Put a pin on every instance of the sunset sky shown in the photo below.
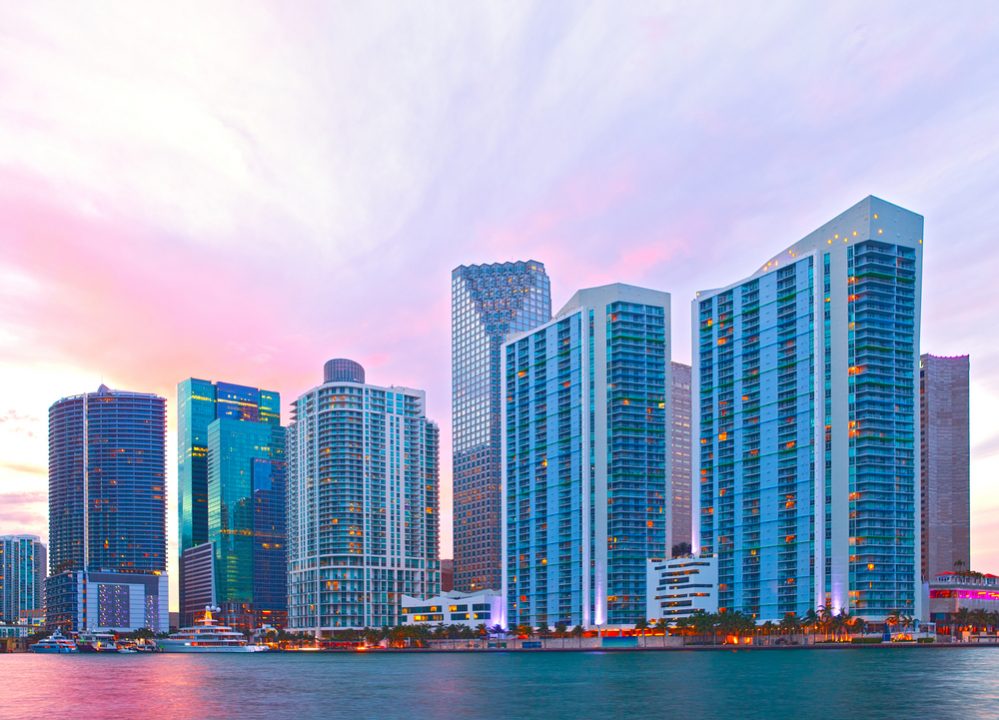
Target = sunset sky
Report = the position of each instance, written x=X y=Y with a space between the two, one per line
x=241 y=191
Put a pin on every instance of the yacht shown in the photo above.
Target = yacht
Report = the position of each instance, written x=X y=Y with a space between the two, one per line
x=207 y=636
x=55 y=643
x=96 y=642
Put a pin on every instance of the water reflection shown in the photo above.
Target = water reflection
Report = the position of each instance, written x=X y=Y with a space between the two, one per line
x=852 y=683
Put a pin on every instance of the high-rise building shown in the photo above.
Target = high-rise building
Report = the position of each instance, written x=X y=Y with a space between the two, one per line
x=806 y=418
x=107 y=511
x=447 y=574
x=680 y=469
x=586 y=459
x=488 y=302
x=363 y=500
x=945 y=444
x=232 y=492
x=22 y=577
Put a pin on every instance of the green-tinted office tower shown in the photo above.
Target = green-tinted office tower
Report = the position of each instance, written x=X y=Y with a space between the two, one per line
x=231 y=480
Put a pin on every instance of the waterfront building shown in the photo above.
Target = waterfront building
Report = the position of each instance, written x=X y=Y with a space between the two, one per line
x=586 y=459
x=681 y=586
x=681 y=472
x=807 y=422
x=22 y=577
x=488 y=302
x=945 y=445
x=107 y=510
x=231 y=477
x=454 y=608
x=363 y=502
x=98 y=601
x=951 y=591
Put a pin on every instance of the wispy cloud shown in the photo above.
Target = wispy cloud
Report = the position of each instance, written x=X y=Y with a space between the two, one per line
x=242 y=192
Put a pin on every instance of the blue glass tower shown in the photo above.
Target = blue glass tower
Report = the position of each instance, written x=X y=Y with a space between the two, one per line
x=232 y=481
x=488 y=302
x=806 y=413
x=586 y=459
x=107 y=499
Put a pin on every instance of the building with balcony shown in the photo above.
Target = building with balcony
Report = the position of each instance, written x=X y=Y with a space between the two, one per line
x=362 y=505
x=586 y=458
x=806 y=402
x=22 y=578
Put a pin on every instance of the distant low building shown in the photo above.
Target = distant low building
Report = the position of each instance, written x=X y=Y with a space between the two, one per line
x=454 y=608
x=8 y=631
x=951 y=591
x=678 y=587
x=22 y=577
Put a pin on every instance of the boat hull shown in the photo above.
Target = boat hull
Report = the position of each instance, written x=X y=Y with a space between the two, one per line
x=181 y=647
x=53 y=650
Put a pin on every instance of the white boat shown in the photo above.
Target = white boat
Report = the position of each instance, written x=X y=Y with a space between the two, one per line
x=207 y=636
x=55 y=643
x=96 y=642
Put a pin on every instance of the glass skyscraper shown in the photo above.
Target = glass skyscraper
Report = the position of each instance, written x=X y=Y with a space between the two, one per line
x=231 y=475
x=488 y=302
x=806 y=416
x=363 y=501
x=586 y=459
x=946 y=464
x=680 y=470
x=107 y=506
x=22 y=576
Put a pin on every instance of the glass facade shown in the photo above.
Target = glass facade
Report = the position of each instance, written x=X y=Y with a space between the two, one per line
x=107 y=494
x=680 y=438
x=362 y=505
x=231 y=474
x=488 y=303
x=22 y=576
x=807 y=425
x=586 y=461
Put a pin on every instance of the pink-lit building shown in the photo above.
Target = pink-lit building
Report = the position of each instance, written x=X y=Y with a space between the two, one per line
x=950 y=591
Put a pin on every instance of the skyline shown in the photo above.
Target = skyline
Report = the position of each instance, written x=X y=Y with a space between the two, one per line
x=174 y=208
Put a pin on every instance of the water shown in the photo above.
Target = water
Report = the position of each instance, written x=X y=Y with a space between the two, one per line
x=813 y=684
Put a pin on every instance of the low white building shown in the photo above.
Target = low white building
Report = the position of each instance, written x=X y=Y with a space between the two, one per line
x=454 y=608
x=676 y=588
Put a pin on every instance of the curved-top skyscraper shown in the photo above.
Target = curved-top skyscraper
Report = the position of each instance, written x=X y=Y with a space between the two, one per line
x=107 y=511
x=488 y=303
x=107 y=482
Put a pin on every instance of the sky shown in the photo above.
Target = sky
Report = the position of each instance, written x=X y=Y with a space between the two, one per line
x=240 y=191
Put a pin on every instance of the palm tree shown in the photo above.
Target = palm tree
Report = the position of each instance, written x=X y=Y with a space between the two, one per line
x=810 y=619
x=577 y=632
x=684 y=626
x=641 y=625
x=858 y=625
x=704 y=623
x=790 y=624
